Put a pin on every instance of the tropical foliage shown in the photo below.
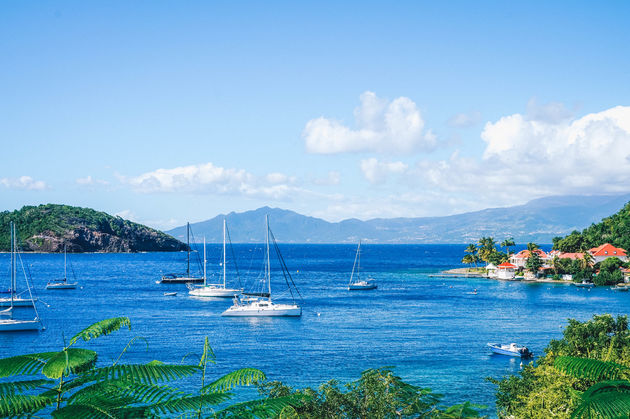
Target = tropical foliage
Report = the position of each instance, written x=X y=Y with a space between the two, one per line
x=70 y=384
x=581 y=374
x=614 y=229
x=486 y=250
x=379 y=393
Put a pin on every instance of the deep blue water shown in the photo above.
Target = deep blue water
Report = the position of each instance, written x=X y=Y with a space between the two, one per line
x=430 y=329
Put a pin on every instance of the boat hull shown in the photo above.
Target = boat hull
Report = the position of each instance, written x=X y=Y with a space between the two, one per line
x=61 y=286
x=181 y=280
x=17 y=302
x=362 y=287
x=11 y=325
x=498 y=349
x=280 y=310
x=214 y=292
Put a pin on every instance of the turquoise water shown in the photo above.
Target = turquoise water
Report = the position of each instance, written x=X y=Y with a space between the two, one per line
x=430 y=329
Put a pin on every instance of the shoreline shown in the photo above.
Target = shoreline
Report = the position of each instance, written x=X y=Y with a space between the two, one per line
x=472 y=273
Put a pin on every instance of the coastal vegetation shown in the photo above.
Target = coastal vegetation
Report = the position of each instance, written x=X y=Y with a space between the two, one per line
x=614 y=230
x=50 y=227
x=485 y=250
x=583 y=375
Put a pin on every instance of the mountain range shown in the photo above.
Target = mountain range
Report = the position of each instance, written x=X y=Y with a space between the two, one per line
x=537 y=221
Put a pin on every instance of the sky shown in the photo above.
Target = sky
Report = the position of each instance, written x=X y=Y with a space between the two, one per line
x=164 y=112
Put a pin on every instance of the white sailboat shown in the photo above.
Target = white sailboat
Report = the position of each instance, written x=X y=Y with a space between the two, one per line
x=185 y=278
x=260 y=304
x=62 y=284
x=214 y=290
x=10 y=324
x=357 y=284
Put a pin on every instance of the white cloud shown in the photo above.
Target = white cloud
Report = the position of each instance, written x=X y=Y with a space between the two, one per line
x=526 y=158
x=465 y=120
x=208 y=178
x=378 y=172
x=23 y=183
x=90 y=181
x=127 y=215
x=381 y=126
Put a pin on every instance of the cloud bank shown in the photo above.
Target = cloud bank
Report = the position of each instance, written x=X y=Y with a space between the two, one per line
x=380 y=126
x=23 y=183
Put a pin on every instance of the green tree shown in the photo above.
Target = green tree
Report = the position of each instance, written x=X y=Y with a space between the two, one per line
x=531 y=247
x=507 y=243
x=486 y=247
x=534 y=262
x=471 y=250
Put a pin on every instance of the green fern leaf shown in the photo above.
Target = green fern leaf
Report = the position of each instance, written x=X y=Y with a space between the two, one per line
x=19 y=404
x=72 y=360
x=139 y=393
x=242 y=377
x=24 y=364
x=142 y=373
x=83 y=411
x=608 y=399
x=102 y=328
x=590 y=369
x=13 y=387
x=178 y=405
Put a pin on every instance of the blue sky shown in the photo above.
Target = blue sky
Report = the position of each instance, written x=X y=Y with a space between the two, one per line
x=165 y=112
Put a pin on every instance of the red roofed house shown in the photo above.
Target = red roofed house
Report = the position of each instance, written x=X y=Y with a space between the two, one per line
x=606 y=251
x=572 y=256
x=520 y=259
x=506 y=270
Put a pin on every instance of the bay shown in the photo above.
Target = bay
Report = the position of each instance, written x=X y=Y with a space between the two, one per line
x=432 y=331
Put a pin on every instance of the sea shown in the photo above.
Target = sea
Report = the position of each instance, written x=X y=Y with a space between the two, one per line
x=432 y=331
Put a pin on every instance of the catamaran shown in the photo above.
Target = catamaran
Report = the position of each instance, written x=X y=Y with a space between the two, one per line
x=10 y=324
x=184 y=278
x=62 y=284
x=357 y=283
x=259 y=304
x=215 y=290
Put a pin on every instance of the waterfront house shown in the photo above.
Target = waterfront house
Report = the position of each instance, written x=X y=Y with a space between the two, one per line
x=491 y=270
x=626 y=274
x=506 y=270
x=606 y=251
x=520 y=259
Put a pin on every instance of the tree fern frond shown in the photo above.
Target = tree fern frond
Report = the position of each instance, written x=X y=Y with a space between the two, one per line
x=142 y=373
x=24 y=364
x=208 y=354
x=591 y=369
x=102 y=328
x=177 y=405
x=71 y=360
x=242 y=377
x=608 y=399
x=20 y=404
x=15 y=386
x=82 y=411
x=138 y=392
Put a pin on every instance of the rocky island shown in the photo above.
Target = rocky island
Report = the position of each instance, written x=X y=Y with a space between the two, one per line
x=47 y=228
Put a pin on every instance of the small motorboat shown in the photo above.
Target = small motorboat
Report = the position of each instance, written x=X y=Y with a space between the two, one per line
x=511 y=350
x=584 y=284
x=170 y=294
x=620 y=288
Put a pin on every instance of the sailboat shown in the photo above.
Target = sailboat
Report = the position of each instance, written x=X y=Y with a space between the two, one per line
x=15 y=300
x=62 y=284
x=10 y=324
x=214 y=290
x=357 y=284
x=259 y=304
x=184 y=278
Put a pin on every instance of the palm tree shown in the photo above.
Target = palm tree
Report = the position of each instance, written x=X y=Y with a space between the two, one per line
x=471 y=251
x=507 y=243
x=587 y=260
x=531 y=247
x=70 y=384
x=487 y=246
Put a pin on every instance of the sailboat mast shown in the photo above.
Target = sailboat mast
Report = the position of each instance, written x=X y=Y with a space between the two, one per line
x=65 y=266
x=268 y=263
x=224 y=253
x=204 y=261
x=12 y=265
x=359 y=262
x=188 y=253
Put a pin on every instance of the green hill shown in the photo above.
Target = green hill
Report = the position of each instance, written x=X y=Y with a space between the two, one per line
x=614 y=229
x=47 y=228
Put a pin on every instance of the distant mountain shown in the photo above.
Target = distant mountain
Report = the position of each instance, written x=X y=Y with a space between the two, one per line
x=47 y=228
x=537 y=221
